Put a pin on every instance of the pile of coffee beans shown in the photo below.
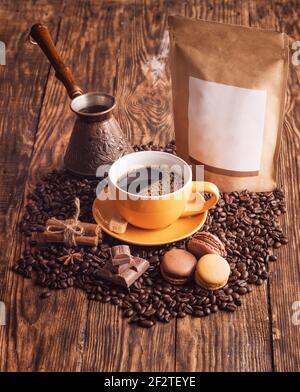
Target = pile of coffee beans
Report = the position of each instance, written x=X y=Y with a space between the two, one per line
x=246 y=222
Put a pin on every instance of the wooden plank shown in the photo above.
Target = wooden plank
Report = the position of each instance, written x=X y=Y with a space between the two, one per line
x=114 y=345
x=50 y=336
x=143 y=113
x=226 y=342
x=21 y=93
x=262 y=14
x=67 y=333
x=144 y=85
x=285 y=282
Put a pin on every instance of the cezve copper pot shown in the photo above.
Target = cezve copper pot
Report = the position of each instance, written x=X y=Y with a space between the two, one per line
x=97 y=138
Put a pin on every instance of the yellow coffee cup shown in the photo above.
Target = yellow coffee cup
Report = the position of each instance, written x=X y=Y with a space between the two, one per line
x=157 y=212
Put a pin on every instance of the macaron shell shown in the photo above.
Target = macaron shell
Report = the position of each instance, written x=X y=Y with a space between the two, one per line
x=213 y=270
x=204 y=242
x=178 y=263
x=200 y=249
x=206 y=286
x=173 y=280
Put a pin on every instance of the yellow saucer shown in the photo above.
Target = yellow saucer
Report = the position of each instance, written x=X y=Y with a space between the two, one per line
x=182 y=228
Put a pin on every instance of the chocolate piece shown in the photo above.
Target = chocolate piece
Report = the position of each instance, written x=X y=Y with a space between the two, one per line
x=204 y=243
x=121 y=260
x=119 y=269
x=127 y=278
x=120 y=254
x=120 y=250
x=138 y=265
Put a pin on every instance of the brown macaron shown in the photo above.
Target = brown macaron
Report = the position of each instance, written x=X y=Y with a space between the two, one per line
x=178 y=266
x=212 y=272
x=204 y=243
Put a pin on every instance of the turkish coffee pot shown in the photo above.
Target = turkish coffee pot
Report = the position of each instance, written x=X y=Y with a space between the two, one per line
x=97 y=138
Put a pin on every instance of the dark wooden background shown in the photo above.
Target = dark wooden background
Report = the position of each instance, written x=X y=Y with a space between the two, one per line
x=121 y=47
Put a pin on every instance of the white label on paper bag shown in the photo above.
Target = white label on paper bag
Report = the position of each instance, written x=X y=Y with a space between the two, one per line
x=226 y=125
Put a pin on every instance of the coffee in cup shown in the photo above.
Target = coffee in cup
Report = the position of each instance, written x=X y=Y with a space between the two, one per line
x=151 y=181
x=148 y=210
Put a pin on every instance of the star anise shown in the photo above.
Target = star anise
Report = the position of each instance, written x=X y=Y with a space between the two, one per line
x=70 y=257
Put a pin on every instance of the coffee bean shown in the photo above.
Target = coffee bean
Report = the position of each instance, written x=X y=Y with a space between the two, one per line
x=272 y=258
x=241 y=283
x=167 y=298
x=115 y=301
x=45 y=295
x=252 y=278
x=198 y=313
x=146 y=323
x=160 y=312
x=154 y=260
x=238 y=302
x=128 y=313
x=230 y=307
x=135 y=318
x=188 y=309
x=98 y=297
x=247 y=223
x=148 y=282
x=149 y=312
x=242 y=290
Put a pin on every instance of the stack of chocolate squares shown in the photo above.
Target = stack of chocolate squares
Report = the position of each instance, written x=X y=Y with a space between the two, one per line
x=122 y=268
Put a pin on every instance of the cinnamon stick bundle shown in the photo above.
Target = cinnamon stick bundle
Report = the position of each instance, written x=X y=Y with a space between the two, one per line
x=89 y=237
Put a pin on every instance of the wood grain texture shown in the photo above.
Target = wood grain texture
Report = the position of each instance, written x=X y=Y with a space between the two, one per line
x=285 y=278
x=88 y=42
x=121 y=47
x=57 y=335
x=116 y=345
x=22 y=92
x=144 y=85
x=226 y=342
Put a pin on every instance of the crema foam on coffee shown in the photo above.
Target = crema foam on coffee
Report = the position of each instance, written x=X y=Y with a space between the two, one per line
x=151 y=181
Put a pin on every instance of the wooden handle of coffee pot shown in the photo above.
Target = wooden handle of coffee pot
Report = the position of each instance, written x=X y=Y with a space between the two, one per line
x=42 y=37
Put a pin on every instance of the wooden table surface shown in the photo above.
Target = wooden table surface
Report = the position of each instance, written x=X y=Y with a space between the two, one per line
x=121 y=47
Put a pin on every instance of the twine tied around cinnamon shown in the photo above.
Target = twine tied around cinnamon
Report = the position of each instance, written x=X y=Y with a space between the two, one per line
x=70 y=228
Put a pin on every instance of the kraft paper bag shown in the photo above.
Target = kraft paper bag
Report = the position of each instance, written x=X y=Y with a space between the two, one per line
x=229 y=85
